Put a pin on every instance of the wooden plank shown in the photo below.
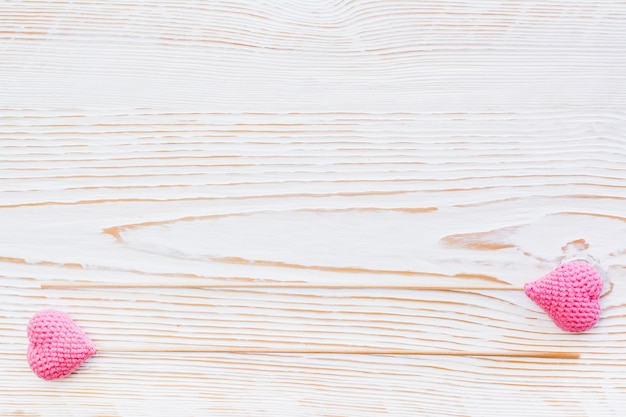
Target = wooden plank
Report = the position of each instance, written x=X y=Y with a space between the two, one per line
x=362 y=144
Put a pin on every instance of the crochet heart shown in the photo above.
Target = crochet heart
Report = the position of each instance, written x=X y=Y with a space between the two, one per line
x=57 y=345
x=570 y=295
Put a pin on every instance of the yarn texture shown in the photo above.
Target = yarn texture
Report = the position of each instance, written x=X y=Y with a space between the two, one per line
x=570 y=295
x=57 y=345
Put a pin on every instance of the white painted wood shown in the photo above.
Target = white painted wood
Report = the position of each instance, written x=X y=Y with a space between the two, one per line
x=356 y=142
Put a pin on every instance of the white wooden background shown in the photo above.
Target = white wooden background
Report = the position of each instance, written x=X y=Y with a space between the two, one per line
x=327 y=141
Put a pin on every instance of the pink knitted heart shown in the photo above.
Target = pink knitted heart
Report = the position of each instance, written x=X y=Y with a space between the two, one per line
x=57 y=345
x=570 y=294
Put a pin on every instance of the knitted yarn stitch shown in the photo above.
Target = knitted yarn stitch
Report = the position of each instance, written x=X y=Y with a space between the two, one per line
x=569 y=295
x=57 y=345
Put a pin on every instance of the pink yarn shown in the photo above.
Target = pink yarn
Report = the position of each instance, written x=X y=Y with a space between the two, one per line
x=57 y=345
x=570 y=295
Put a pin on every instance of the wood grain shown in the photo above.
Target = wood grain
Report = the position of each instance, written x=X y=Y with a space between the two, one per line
x=360 y=144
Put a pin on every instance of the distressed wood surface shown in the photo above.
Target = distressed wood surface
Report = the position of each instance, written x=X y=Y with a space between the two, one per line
x=326 y=142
